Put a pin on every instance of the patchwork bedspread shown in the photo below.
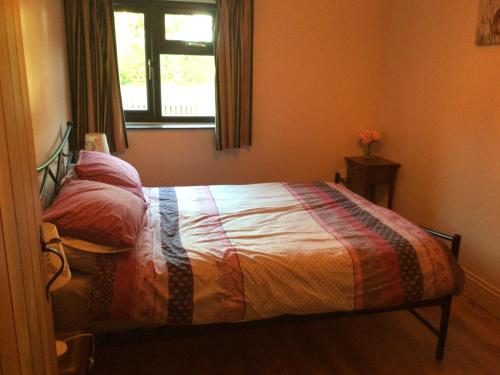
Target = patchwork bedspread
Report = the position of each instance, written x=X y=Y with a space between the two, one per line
x=247 y=252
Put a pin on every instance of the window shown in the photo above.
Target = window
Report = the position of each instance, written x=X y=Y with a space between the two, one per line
x=166 y=61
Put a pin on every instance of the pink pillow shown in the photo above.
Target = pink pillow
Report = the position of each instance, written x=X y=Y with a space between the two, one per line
x=97 y=212
x=108 y=169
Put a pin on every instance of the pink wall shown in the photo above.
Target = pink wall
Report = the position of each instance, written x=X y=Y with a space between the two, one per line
x=46 y=67
x=441 y=120
x=317 y=82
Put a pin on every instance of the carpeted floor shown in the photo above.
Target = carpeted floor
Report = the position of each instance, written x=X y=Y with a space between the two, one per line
x=391 y=343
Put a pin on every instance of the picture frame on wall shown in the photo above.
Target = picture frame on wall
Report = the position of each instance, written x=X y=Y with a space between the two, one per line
x=488 y=25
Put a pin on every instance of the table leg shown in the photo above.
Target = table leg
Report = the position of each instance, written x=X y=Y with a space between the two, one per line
x=372 y=193
x=390 y=196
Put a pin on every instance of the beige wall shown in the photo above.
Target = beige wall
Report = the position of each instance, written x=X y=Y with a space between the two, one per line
x=323 y=70
x=441 y=120
x=46 y=67
x=317 y=82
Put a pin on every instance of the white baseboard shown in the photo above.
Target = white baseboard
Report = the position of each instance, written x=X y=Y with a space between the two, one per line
x=482 y=292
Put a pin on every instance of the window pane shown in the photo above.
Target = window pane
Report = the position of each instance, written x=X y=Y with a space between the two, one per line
x=187 y=85
x=190 y=28
x=131 y=52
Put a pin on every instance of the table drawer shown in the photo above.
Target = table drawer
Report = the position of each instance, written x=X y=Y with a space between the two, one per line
x=355 y=173
x=380 y=175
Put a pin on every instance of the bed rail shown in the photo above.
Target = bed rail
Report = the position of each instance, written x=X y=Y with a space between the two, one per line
x=56 y=160
x=455 y=239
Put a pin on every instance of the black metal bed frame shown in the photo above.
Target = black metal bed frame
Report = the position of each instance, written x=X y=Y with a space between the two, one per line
x=61 y=168
x=444 y=302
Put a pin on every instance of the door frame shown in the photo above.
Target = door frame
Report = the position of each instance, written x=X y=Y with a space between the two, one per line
x=27 y=340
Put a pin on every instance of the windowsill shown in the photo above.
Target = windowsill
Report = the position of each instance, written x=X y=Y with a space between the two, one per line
x=167 y=126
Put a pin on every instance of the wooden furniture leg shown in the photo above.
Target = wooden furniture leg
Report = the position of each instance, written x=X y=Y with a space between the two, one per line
x=391 y=195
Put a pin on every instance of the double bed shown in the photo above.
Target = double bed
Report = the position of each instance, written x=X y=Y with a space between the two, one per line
x=228 y=254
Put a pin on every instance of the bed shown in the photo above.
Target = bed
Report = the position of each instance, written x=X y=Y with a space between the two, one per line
x=226 y=255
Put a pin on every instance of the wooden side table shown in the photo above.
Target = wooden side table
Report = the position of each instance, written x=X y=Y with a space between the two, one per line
x=364 y=174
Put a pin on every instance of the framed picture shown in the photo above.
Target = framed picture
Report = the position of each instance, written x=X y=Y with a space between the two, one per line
x=488 y=25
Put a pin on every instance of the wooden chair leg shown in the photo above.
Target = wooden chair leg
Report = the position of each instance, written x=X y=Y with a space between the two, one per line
x=443 y=328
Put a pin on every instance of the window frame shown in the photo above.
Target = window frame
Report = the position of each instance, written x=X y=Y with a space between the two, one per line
x=155 y=45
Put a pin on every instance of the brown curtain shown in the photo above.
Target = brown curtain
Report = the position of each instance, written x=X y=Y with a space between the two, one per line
x=93 y=71
x=233 y=59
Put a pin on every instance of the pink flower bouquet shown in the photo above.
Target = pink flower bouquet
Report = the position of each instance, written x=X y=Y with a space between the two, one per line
x=367 y=140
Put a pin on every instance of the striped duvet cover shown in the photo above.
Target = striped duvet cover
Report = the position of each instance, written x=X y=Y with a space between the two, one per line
x=247 y=252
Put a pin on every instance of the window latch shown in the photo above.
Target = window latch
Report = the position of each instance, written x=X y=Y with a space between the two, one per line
x=150 y=70
x=194 y=44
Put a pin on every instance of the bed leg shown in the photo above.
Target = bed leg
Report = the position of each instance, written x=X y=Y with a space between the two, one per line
x=443 y=328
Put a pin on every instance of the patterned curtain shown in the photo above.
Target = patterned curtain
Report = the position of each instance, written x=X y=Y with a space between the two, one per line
x=93 y=70
x=233 y=60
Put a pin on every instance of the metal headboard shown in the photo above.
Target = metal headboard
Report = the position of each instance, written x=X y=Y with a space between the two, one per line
x=56 y=160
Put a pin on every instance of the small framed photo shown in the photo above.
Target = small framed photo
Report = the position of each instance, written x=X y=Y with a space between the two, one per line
x=488 y=25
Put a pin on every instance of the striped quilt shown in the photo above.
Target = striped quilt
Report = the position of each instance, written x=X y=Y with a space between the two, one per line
x=248 y=252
